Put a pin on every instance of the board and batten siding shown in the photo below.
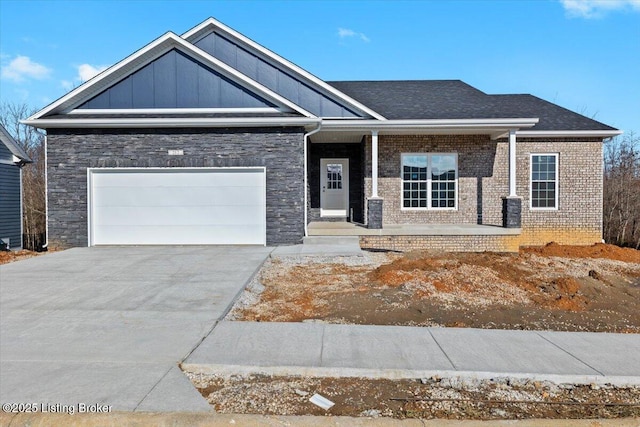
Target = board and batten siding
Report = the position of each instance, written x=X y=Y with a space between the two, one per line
x=276 y=79
x=10 y=214
x=175 y=81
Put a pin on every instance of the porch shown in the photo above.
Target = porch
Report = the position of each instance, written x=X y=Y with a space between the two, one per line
x=325 y=228
x=441 y=237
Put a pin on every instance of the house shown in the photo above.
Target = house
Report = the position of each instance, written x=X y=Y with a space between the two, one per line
x=211 y=138
x=12 y=158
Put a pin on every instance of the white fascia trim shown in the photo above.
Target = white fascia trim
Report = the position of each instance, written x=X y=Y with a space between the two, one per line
x=390 y=125
x=173 y=110
x=170 y=122
x=147 y=54
x=568 y=133
x=197 y=31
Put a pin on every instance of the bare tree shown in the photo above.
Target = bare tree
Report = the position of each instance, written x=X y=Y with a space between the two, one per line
x=33 y=174
x=622 y=191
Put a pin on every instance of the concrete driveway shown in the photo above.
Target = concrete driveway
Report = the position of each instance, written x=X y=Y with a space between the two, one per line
x=108 y=325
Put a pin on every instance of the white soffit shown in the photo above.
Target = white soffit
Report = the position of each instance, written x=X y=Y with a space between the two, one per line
x=212 y=24
x=568 y=133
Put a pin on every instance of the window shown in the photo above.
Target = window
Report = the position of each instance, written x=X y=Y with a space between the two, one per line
x=334 y=176
x=544 y=181
x=429 y=181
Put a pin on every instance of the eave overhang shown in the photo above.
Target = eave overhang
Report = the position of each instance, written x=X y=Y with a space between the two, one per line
x=568 y=133
x=494 y=127
x=192 y=122
x=19 y=156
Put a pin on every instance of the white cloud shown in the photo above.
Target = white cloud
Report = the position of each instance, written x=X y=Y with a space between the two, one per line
x=597 y=8
x=346 y=32
x=67 y=84
x=22 y=68
x=87 y=71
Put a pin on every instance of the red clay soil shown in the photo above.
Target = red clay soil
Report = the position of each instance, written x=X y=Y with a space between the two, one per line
x=589 y=288
x=599 y=250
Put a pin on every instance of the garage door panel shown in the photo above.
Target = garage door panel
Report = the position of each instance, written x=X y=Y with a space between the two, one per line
x=178 y=206
x=182 y=196
x=176 y=235
x=121 y=178
x=176 y=215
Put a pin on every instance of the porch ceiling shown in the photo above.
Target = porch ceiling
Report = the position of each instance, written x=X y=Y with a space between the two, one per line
x=349 y=131
x=355 y=136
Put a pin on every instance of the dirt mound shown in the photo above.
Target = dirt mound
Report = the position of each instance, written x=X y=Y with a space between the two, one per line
x=480 y=279
x=527 y=290
x=599 y=250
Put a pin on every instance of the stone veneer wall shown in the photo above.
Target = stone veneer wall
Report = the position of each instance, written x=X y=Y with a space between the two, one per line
x=71 y=151
x=483 y=169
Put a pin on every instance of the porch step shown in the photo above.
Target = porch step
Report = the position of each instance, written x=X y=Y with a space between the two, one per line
x=322 y=246
x=332 y=240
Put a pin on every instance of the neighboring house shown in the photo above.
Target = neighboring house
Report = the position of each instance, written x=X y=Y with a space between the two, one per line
x=12 y=158
x=210 y=138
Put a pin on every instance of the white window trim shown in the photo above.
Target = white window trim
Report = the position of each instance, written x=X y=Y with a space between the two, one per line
x=429 y=181
x=557 y=156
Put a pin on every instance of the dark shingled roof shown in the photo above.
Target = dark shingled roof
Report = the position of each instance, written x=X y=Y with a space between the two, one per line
x=454 y=99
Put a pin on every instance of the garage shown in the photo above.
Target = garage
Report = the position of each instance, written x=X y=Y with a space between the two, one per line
x=177 y=206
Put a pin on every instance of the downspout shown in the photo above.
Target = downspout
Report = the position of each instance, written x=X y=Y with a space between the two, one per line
x=306 y=167
x=20 y=165
x=46 y=196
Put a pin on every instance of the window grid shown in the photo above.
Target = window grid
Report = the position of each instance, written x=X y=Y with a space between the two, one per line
x=544 y=181
x=334 y=176
x=419 y=173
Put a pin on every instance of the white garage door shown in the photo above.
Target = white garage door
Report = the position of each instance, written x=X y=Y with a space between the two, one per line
x=175 y=206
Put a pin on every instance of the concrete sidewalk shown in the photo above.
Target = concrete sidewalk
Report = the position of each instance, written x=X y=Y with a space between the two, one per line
x=415 y=352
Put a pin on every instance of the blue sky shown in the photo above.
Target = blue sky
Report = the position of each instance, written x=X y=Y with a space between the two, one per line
x=581 y=54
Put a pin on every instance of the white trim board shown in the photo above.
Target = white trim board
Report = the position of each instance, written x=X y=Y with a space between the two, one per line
x=154 y=122
x=173 y=111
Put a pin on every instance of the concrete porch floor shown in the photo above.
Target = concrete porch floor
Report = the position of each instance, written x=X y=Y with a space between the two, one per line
x=321 y=228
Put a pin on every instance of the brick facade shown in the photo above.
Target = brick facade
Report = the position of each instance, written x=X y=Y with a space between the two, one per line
x=483 y=169
x=442 y=243
x=70 y=152
x=482 y=181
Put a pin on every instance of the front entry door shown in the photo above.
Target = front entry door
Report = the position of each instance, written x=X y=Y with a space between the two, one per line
x=334 y=187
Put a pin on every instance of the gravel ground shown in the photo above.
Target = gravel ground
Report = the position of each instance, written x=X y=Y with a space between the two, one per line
x=443 y=398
